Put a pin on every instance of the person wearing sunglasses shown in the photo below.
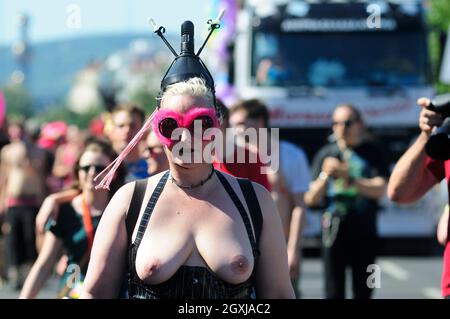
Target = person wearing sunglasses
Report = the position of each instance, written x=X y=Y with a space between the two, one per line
x=349 y=177
x=75 y=225
x=122 y=124
x=194 y=233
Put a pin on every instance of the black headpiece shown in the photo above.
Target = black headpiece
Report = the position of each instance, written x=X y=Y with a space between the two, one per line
x=187 y=64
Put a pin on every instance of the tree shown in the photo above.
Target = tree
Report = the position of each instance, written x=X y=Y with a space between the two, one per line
x=439 y=14
x=439 y=20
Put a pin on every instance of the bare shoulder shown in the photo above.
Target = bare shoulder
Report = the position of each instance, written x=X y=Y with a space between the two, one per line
x=121 y=199
x=262 y=193
x=9 y=149
x=13 y=153
x=124 y=195
x=6 y=148
x=265 y=200
x=154 y=179
x=230 y=178
x=233 y=180
x=4 y=152
x=127 y=190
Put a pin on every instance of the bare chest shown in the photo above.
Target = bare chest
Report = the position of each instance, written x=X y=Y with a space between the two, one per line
x=195 y=233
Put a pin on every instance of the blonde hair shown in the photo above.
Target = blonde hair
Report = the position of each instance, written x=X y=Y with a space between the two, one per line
x=195 y=87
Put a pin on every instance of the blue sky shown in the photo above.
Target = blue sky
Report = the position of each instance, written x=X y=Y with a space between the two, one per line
x=56 y=19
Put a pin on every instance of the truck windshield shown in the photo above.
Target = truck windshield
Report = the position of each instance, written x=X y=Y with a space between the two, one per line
x=339 y=59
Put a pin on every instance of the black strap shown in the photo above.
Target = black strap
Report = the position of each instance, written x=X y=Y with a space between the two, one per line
x=242 y=211
x=135 y=206
x=253 y=206
x=149 y=209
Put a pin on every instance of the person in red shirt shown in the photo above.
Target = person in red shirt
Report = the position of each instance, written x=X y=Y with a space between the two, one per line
x=247 y=169
x=416 y=173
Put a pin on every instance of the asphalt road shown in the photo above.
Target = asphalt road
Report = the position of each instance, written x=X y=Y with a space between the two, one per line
x=399 y=278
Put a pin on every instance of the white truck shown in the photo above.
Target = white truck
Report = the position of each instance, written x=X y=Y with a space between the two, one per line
x=304 y=57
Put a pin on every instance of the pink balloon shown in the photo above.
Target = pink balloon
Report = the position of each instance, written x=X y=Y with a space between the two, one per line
x=2 y=108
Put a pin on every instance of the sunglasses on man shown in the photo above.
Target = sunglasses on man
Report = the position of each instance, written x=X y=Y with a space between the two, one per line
x=346 y=124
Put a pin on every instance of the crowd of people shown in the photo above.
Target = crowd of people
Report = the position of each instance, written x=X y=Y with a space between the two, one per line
x=132 y=212
x=51 y=208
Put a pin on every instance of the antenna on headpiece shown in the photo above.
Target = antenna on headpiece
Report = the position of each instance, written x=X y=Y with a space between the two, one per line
x=160 y=30
x=187 y=64
x=214 y=24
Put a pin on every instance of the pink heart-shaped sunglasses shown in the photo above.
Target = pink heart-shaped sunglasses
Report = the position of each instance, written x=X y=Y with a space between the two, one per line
x=166 y=121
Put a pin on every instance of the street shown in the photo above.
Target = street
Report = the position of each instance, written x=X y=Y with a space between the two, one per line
x=400 y=278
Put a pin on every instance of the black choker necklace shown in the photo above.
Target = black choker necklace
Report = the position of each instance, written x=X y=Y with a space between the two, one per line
x=195 y=185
